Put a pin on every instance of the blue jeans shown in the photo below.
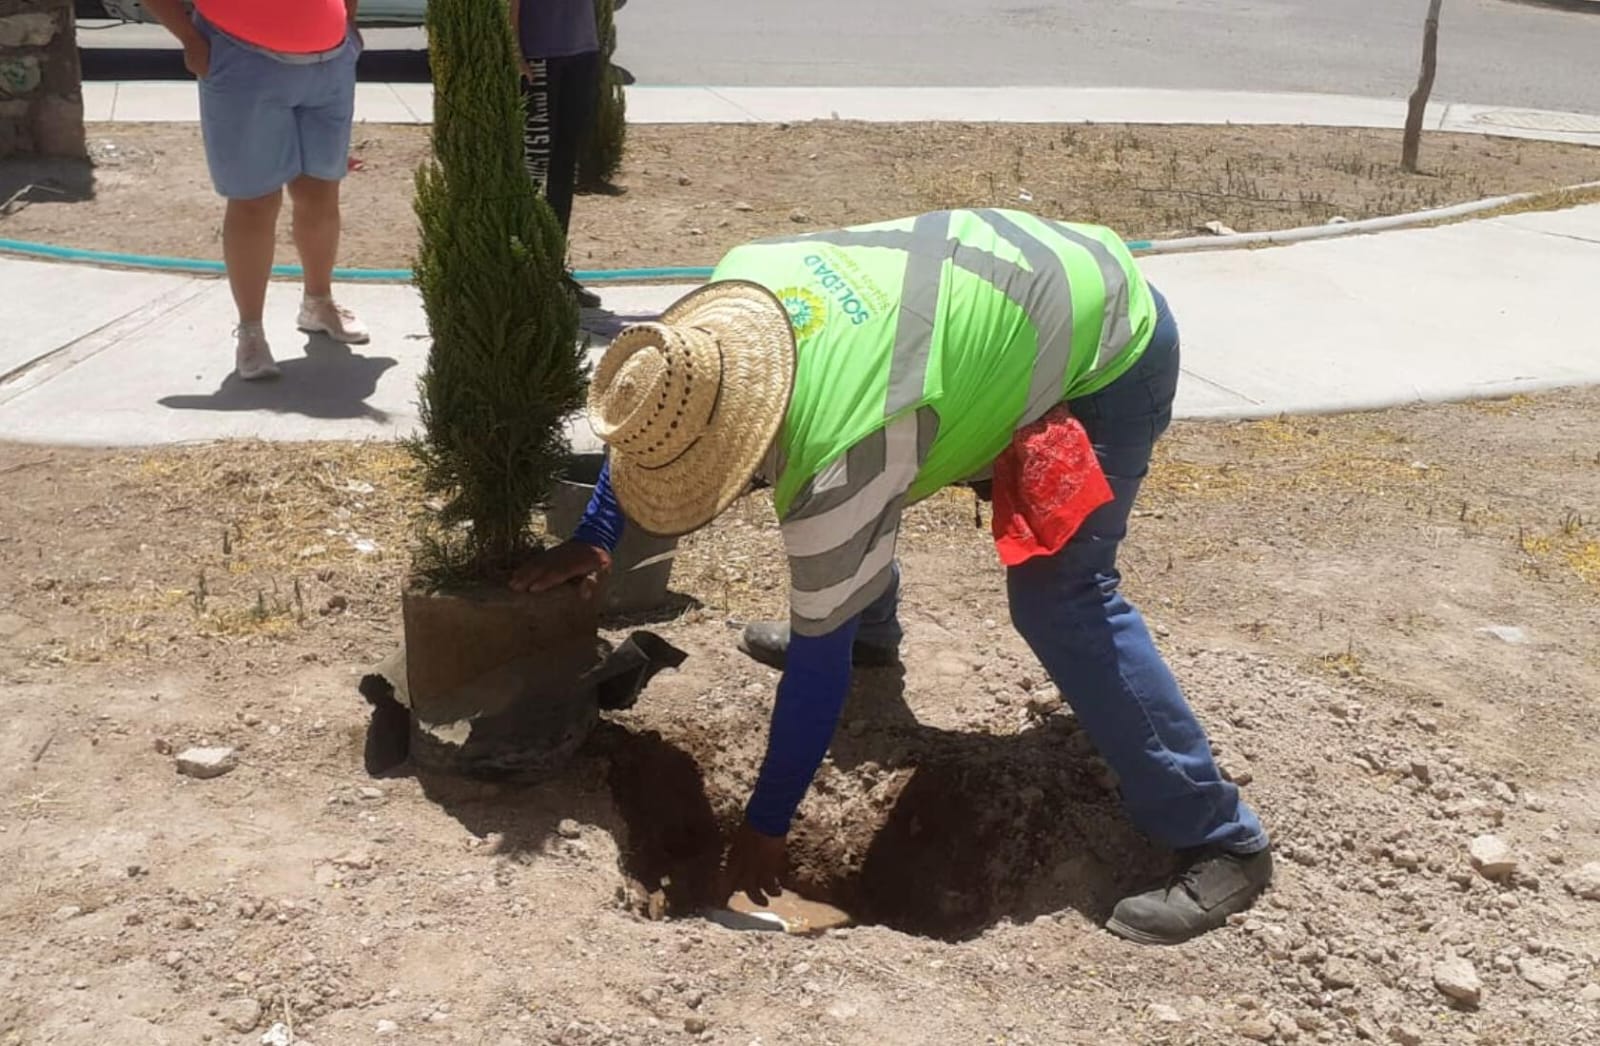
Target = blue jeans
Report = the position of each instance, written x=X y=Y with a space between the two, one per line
x=1070 y=609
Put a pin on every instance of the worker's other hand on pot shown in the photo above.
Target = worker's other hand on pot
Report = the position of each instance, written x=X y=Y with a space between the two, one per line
x=756 y=863
x=566 y=562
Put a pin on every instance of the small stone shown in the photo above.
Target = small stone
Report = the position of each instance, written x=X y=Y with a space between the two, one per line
x=1044 y=704
x=799 y=217
x=1585 y=882
x=695 y=1025
x=387 y=1028
x=370 y=793
x=1590 y=995
x=181 y=921
x=743 y=207
x=843 y=1011
x=206 y=763
x=68 y=911
x=569 y=829
x=173 y=958
x=1405 y=1035
x=1506 y=634
x=1422 y=772
x=1258 y=1029
x=1456 y=979
x=1544 y=975
x=354 y=859
x=1338 y=973
x=1503 y=792
x=335 y=604
x=684 y=179
x=1165 y=1014
x=1492 y=857
x=79 y=984
x=241 y=1014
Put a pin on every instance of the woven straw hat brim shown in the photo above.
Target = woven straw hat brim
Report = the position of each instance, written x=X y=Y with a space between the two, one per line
x=758 y=360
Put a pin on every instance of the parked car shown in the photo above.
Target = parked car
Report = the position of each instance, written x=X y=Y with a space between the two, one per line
x=372 y=13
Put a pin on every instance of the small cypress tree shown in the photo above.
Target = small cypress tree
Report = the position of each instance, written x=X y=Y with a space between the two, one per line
x=505 y=369
x=601 y=156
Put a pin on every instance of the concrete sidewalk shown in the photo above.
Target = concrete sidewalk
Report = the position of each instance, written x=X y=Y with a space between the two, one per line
x=98 y=357
x=413 y=103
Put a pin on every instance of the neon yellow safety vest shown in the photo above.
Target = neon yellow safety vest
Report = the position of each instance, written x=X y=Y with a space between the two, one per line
x=988 y=317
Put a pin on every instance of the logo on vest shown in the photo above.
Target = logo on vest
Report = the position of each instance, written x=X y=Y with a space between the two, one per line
x=807 y=310
x=839 y=286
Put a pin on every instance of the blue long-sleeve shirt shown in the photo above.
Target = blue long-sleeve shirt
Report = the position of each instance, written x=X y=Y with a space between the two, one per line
x=811 y=693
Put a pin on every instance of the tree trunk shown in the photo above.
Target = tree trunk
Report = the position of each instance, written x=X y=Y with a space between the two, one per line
x=1419 y=97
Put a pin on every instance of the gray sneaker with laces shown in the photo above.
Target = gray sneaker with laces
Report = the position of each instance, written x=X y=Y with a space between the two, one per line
x=252 y=356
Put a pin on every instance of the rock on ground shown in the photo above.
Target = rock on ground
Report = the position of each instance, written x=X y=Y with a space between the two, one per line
x=1165 y=1014
x=1339 y=973
x=1585 y=882
x=1492 y=857
x=1542 y=974
x=207 y=762
x=1456 y=978
x=1405 y=1035
x=241 y=1014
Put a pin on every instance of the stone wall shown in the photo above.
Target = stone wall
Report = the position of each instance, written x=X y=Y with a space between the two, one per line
x=41 y=89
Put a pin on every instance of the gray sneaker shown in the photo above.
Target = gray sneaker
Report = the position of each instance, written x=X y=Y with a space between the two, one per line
x=1210 y=886
x=252 y=357
x=768 y=643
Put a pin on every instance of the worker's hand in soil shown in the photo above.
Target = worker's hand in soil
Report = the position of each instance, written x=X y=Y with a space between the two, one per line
x=755 y=865
x=565 y=562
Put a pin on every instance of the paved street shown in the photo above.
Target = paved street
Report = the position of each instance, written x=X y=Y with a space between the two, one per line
x=1491 y=51
x=1502 y=52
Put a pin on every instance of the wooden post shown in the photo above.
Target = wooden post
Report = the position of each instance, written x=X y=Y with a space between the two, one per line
x=1419 y=97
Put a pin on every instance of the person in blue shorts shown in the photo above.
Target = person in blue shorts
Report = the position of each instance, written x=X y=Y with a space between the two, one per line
x=277 y=98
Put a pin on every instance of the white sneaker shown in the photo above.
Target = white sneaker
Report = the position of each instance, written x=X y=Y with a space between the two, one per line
x=252 y=356
x=326 y=316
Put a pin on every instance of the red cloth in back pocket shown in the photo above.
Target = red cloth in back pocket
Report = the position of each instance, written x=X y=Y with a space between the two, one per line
x=1045 y=485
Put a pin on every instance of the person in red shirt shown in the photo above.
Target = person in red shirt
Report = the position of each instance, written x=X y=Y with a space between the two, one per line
x=277 y=99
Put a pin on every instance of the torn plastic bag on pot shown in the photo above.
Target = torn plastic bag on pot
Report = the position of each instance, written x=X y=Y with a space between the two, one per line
x=526 y=738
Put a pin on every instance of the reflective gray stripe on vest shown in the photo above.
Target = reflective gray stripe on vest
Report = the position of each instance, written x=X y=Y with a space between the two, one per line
x=1116 y=332
x=838 y=564
x=1049 y=306
x=919 y=305
x=841 y=542
x=861 y=462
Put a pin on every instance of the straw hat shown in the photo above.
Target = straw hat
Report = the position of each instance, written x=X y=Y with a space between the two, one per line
x=690 y=404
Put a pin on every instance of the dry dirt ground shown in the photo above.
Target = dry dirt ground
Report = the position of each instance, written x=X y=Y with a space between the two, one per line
x=693 y=192
x=1321 y=585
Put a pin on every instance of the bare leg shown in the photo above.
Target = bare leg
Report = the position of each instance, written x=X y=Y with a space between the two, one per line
x=316 y=231
x=249 y=233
